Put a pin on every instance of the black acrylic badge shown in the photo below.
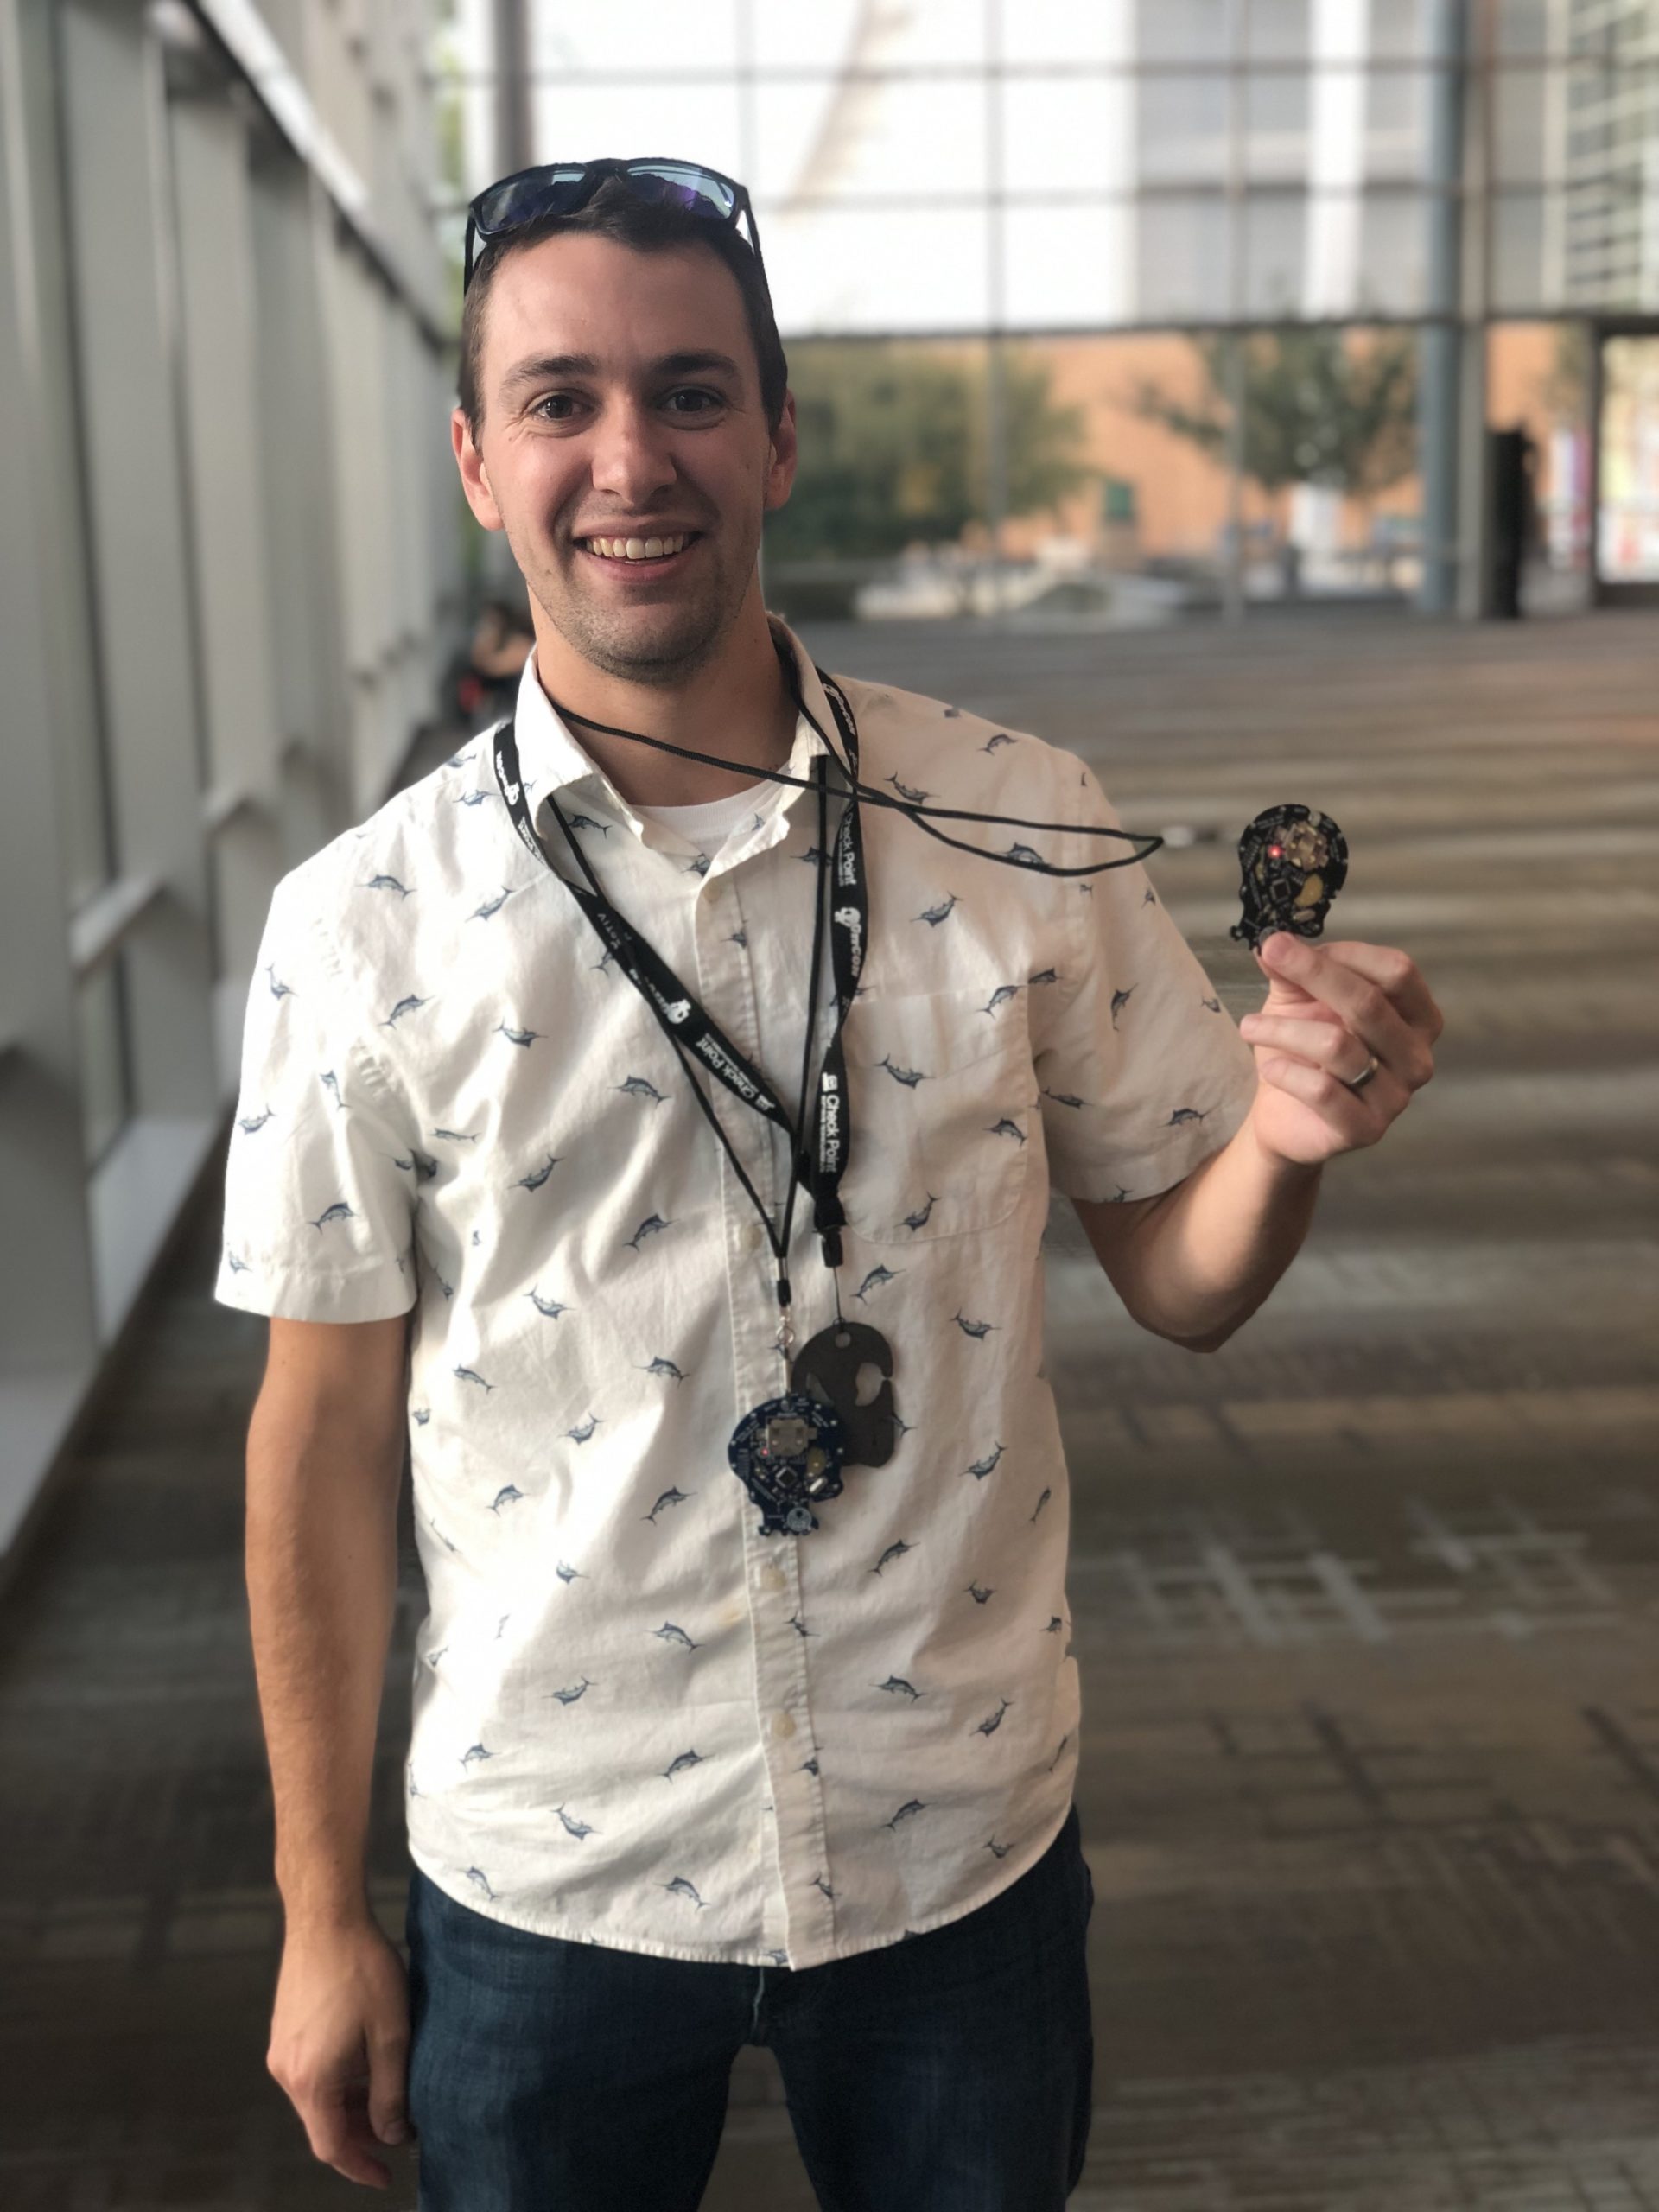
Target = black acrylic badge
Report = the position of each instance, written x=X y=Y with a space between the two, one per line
x=786 y=1452
x=827 y=1367
x=1292 y=863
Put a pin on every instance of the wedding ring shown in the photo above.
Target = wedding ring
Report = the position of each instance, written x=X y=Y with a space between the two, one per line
x=1360 y=1081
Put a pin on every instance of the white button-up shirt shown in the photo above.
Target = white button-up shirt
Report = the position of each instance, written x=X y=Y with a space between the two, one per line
x=637 y=1720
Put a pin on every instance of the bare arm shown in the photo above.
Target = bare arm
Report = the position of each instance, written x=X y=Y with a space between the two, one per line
x=325 y=1453
x=1193 y=1264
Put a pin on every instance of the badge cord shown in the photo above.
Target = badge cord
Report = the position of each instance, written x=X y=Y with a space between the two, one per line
x=799 y=1162
x=796 y=1132
x=777 y=1239
x=621 y=939
x=781 y=1488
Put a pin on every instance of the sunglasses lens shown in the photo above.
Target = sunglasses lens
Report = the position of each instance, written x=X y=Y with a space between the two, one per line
x=677 y=184
x=520 y=200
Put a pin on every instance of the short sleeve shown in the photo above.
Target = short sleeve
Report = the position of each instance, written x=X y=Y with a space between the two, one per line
x=1142 y=1070
x=321 y=1171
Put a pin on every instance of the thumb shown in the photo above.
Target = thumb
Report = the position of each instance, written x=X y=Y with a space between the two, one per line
x=1283 y=995
x=1278 y=936
x=388 y=2112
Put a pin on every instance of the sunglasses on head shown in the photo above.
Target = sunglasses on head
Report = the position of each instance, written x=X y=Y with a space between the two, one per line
x=561 y=187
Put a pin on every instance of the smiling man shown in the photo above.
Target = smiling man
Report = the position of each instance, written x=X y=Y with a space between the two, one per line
x=632 y=474
x=745 y=1708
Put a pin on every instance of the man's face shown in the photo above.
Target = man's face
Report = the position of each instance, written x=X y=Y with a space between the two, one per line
x=622 y=410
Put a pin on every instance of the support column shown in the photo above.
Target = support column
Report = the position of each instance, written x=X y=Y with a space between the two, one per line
x=125 y=316
x=1440 y=344
x=513 y=123
x=1474 y=590
x=1451 y=352
x=292 y=234
x=230 y=529
x=996 y=376
x=48 y=1331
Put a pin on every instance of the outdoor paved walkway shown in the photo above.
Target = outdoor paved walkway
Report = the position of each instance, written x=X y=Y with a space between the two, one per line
x=1367 y=1604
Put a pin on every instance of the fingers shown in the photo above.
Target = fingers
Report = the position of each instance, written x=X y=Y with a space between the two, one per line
x=1395 y=973
x=336 y=2121
x=1326 y=1045
x=1358 y=1117
x=1347 y=985
x=388 y=2073
x=339 y=2044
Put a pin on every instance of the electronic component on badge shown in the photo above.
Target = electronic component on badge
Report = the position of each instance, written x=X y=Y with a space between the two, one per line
x=787 y=1454
x=1292 y=863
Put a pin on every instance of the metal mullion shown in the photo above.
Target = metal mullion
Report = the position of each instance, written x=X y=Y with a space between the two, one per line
x=1238 y=296
x=1042 y=196
x=995 y=204
x=1161 y=327
x=766 y=74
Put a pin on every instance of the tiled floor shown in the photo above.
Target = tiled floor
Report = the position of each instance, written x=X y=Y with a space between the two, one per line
x=1367 y=1604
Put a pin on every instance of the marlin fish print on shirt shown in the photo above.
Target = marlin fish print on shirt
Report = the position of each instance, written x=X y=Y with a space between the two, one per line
x=454 y=1107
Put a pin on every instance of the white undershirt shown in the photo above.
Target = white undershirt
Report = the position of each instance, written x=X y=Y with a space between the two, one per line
x=708 y=824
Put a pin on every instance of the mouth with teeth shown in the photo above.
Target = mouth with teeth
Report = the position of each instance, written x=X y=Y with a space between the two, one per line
x=655 y=554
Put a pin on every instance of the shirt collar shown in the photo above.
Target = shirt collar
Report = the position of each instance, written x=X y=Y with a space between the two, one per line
x=551 y=761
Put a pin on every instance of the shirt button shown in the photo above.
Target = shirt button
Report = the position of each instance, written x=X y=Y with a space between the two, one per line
x=773 y=1578
x=715 y=892
x=754 y=1236
x=782 y=1724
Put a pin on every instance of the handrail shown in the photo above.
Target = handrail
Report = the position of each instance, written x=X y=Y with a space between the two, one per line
x=222 y=803
x=107 y=919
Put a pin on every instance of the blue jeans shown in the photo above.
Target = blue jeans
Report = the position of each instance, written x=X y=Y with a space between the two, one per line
x=948 y=2073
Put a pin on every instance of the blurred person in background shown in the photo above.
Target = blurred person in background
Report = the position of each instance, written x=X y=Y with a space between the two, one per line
x=1515 y=516
x=680 y=1778
x=501 y=643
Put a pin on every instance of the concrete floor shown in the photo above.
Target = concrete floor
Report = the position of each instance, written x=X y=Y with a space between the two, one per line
x=1367 y=1604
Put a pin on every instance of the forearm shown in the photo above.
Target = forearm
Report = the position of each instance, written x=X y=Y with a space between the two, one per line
x=321 y=1574
x=1208 y=1256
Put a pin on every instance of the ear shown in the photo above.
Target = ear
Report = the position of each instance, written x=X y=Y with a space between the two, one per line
x=780 y=473
x=474 y=482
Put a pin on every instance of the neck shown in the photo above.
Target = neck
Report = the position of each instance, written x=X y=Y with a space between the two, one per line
x=737 y=704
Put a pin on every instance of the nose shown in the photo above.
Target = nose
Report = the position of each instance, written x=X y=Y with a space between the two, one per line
x=632 y=461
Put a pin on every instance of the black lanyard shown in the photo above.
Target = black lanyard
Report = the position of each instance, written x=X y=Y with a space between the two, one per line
x=697 y=1037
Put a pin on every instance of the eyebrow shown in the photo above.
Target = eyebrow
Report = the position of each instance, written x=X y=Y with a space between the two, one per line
x=587 y=364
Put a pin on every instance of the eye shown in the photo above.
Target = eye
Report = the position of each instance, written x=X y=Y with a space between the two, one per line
x=555 y=406
x=700 y=401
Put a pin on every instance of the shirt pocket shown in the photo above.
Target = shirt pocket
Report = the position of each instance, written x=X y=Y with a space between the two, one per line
x=944 y=1099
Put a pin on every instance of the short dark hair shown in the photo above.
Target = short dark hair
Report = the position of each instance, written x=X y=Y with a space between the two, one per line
x=644 y=226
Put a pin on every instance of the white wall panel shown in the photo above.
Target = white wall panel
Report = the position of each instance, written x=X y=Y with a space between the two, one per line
x=226 y=582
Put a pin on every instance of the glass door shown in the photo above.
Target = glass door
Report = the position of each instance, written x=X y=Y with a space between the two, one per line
x=1627 y=464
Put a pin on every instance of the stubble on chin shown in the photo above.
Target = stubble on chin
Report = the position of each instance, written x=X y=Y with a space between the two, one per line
x=662 y=652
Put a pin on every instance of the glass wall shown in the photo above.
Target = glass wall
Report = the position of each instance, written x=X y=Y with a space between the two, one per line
x=1143 y=475
x=1627 y=517
x=1061 y=164
x=1001 y=175
x=1539 y=382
